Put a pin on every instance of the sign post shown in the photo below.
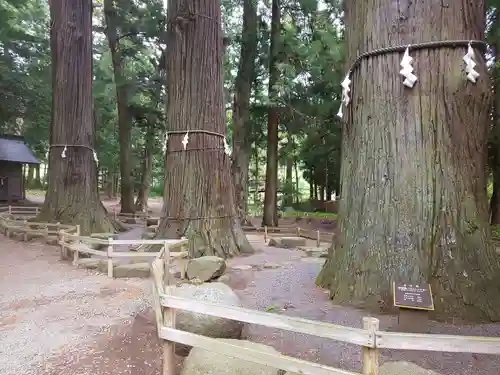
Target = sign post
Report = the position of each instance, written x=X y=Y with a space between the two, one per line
x=414 y=302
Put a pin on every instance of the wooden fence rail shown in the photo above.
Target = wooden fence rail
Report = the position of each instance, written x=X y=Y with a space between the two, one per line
x=317 y=235
x=69 y=239
x=369 y=337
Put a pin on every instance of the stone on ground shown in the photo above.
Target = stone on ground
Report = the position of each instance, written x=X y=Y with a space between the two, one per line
x=204 y=362
x=242 y=267
x=92 y=264
x=33 y=236
x=132 y=270
x=205 y=268
x=148 y=235
x=404 y=368
x=287 y=242
x=312 y=251
x=316 y=260
x=152 y=228
x=152 y=221
x=52 y=240
x=105 y=236
x=211 y=326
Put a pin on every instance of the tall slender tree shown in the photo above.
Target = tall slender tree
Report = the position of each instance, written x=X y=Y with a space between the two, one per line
x=270 y=216
x=241 y=106
x=72 y=194
x=414 y=204
x=122 y=101
x=199 y=191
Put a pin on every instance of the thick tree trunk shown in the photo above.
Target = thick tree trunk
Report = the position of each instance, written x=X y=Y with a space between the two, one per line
x=256 y=197
x=141 y=203
x=297 y=190
x=109 y=184
x=37 y=182
x=199 y=193
x=414 y=205
x=495 y=139
x=124 y=117
x=270 y=217
x=72 y=196
x=495 y=167
x=288 y=196
x=243 y=88
x=31 y=177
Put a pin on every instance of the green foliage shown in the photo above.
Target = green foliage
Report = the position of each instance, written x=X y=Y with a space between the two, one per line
x=25 y=96
x=311 y=60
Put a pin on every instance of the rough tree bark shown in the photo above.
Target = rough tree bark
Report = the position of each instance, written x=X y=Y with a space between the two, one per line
x=124 y=116
x=199 y=193
x=37 y=182
x=30 y=177
x=495 y=136
x=256 y=193
x=270 y=217
x=288 y=193
x=414 y=205
x=72 y=194
x=241 y=108
x=141 y=203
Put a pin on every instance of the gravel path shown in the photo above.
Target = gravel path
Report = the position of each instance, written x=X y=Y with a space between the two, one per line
x=290 y=290
x=55 y=319
x=48 y=306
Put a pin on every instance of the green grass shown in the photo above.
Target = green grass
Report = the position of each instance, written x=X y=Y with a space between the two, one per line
x=156 y=191
x=321 y=215
x=495 y=230
x=35 y=192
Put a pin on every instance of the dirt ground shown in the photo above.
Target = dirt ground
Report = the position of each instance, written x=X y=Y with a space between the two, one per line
x=56 y=319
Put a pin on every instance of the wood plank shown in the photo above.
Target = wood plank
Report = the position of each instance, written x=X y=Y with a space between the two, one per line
x=438 y=343
x=92 y=240
x=319 y=329
x=278 y=361
x=81 y=248
x=124 y=254
x=171 y=243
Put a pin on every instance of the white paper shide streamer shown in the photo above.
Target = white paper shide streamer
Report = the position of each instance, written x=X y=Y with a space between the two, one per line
x=346 y=89
x=164 y=148
x=185 y=140
x=227 y=148
x=470 y=64
x=94 y=153
x=407 y=70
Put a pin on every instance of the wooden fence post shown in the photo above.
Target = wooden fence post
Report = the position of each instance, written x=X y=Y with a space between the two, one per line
x=77 y=242
x=168 y=317
x=60 y=236
x=110 y=257
x=76 y=254
x=166 y=263
x=26 y=228
x=370 y=355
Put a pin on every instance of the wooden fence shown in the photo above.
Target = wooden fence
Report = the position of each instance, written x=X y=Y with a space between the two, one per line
x=319 y=236
x=369 y=337
x=14 y=220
